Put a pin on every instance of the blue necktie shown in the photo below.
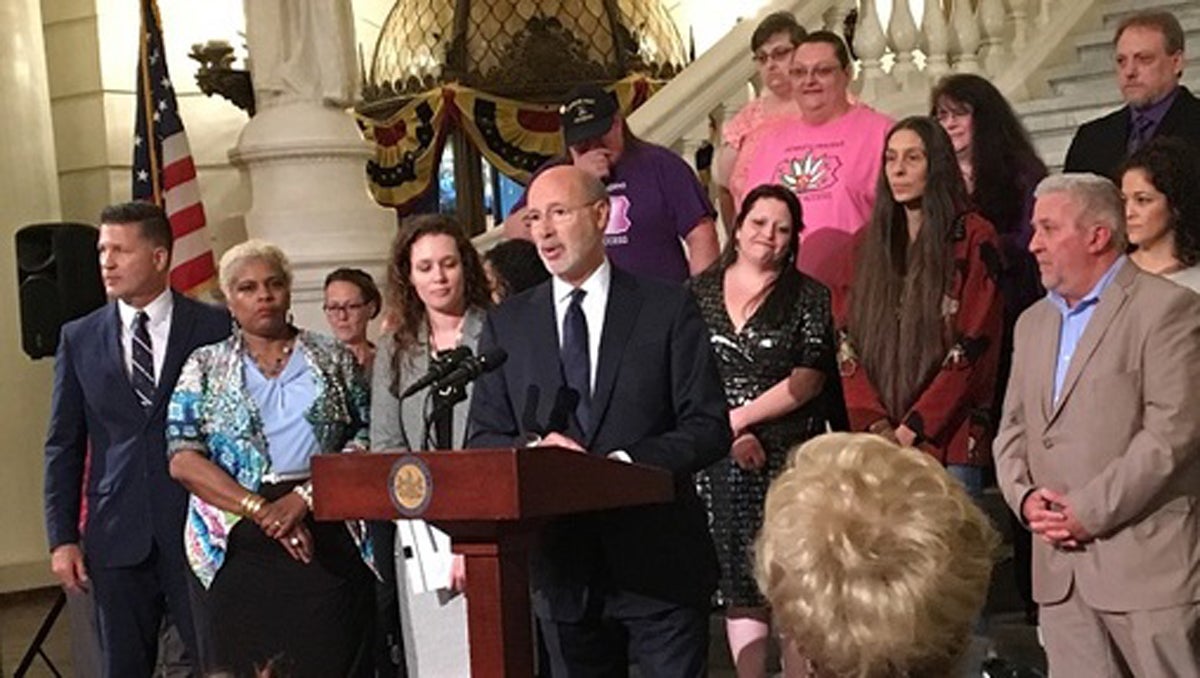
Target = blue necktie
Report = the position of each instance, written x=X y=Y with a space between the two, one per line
x=576 y=366
x=142 y=375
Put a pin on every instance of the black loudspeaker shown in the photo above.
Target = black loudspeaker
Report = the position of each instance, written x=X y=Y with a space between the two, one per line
x=58 y=275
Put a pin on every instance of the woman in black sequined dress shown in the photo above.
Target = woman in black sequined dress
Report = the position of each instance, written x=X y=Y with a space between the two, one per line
x=772 y=333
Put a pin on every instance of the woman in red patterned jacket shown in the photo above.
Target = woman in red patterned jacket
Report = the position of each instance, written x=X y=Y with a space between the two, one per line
x=920 y=317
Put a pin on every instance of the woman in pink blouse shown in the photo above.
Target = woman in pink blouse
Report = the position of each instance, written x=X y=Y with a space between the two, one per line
x=773 y=41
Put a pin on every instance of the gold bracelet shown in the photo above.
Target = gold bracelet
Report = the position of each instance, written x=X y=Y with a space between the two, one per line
x=251 y=504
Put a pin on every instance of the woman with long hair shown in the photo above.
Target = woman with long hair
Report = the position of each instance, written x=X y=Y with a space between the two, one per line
x=772 y=334
x=437 y=295
x=1162 y=210
x=1001 y=169
x=920 y=315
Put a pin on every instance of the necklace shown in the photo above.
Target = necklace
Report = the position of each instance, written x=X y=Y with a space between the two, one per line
x=434 y=346
x=272 y=366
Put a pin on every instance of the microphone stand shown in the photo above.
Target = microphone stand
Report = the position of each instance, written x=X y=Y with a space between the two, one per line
x=439 y=419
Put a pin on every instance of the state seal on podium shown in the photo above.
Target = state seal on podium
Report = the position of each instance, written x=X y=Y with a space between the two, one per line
x=410 y=485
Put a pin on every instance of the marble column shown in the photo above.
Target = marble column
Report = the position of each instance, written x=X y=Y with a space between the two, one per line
x=28 y=194
x=303 y=154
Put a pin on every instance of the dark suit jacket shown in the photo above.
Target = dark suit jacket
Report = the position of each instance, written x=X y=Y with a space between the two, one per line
x=657 y=396
x=1101 y=145
x=132 y=501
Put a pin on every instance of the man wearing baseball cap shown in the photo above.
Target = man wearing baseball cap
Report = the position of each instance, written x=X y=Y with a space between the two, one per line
x=656 y=203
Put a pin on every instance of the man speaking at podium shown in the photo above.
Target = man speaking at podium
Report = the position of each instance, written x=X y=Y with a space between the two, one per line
x=635 y=381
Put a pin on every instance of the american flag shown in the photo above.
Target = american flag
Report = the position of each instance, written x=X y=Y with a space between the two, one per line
x=163 y=171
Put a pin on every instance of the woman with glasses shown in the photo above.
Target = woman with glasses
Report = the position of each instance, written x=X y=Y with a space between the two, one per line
x=1000 y=169
x=828 y=155
x=437 y=296
x=771 y=44
x=772 y=335
x=351 y=302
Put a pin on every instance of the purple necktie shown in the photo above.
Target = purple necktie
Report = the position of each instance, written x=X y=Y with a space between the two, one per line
x=1140 y=132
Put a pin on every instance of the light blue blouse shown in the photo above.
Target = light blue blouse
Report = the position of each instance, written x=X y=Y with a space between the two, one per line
x=283 y=402
x=212 y=412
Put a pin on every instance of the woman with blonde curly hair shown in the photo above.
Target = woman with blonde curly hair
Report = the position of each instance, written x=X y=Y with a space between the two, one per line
x=874 y=559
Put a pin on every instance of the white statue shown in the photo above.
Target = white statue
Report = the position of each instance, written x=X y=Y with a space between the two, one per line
x=301 y=50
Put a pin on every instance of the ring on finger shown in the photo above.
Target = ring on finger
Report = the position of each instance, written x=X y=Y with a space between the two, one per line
x=294 y=541
x=278 y=523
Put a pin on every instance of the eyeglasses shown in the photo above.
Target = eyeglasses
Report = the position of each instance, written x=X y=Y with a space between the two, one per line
x=557 y=214
x=778 y=54
x=343 y=309
x=820 y=71
x=945 y=113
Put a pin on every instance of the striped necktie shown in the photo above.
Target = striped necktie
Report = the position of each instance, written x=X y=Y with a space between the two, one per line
x=142 y=375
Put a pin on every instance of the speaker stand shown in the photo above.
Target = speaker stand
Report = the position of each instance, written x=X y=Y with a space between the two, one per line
x=35 y=645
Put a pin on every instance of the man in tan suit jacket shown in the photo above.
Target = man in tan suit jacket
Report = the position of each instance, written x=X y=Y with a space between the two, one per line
x=1098 y=446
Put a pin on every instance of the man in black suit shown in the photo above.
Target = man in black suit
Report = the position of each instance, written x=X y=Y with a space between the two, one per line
x=635 y=381
x=113 y=375
x=1149 y=65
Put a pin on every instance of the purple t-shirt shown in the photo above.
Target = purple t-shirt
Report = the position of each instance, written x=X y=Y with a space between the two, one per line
x=654 y=201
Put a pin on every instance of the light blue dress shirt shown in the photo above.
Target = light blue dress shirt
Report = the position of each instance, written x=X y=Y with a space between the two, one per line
x=1075 y=321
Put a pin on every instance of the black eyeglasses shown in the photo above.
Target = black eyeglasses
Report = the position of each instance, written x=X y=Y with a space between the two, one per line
x=778 y=54
x=339 y=309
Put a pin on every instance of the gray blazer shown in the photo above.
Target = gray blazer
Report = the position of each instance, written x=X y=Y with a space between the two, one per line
x=387 y=412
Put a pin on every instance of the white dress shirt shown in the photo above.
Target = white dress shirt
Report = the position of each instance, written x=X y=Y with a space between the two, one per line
x=594 y=305
x=158 y=325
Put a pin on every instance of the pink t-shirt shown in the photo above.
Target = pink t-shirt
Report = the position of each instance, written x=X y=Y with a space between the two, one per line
x=833 y=169
x=742 y=123
x=751 y=116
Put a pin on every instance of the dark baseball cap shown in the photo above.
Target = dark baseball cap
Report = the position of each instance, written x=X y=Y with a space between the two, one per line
x=587 y=113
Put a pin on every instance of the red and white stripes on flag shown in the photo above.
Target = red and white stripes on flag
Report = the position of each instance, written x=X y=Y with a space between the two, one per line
x=163 y=170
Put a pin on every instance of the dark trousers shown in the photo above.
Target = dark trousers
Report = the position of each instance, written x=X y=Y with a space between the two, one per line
x=85 y=637
x=131 y=603
x=671 y=642
x=313 y=620
x=388 y=641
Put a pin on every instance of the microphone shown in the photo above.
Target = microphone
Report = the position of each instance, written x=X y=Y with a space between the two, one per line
x=473 y=366
x=438 y=369
x=565 y=402
x=529 y=419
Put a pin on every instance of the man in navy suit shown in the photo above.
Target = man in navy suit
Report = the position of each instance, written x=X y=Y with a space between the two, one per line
x=1149 y=65
x=635 y=381
x=113 y=375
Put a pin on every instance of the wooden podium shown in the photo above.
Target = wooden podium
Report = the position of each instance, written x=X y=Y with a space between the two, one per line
x=491 y=503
